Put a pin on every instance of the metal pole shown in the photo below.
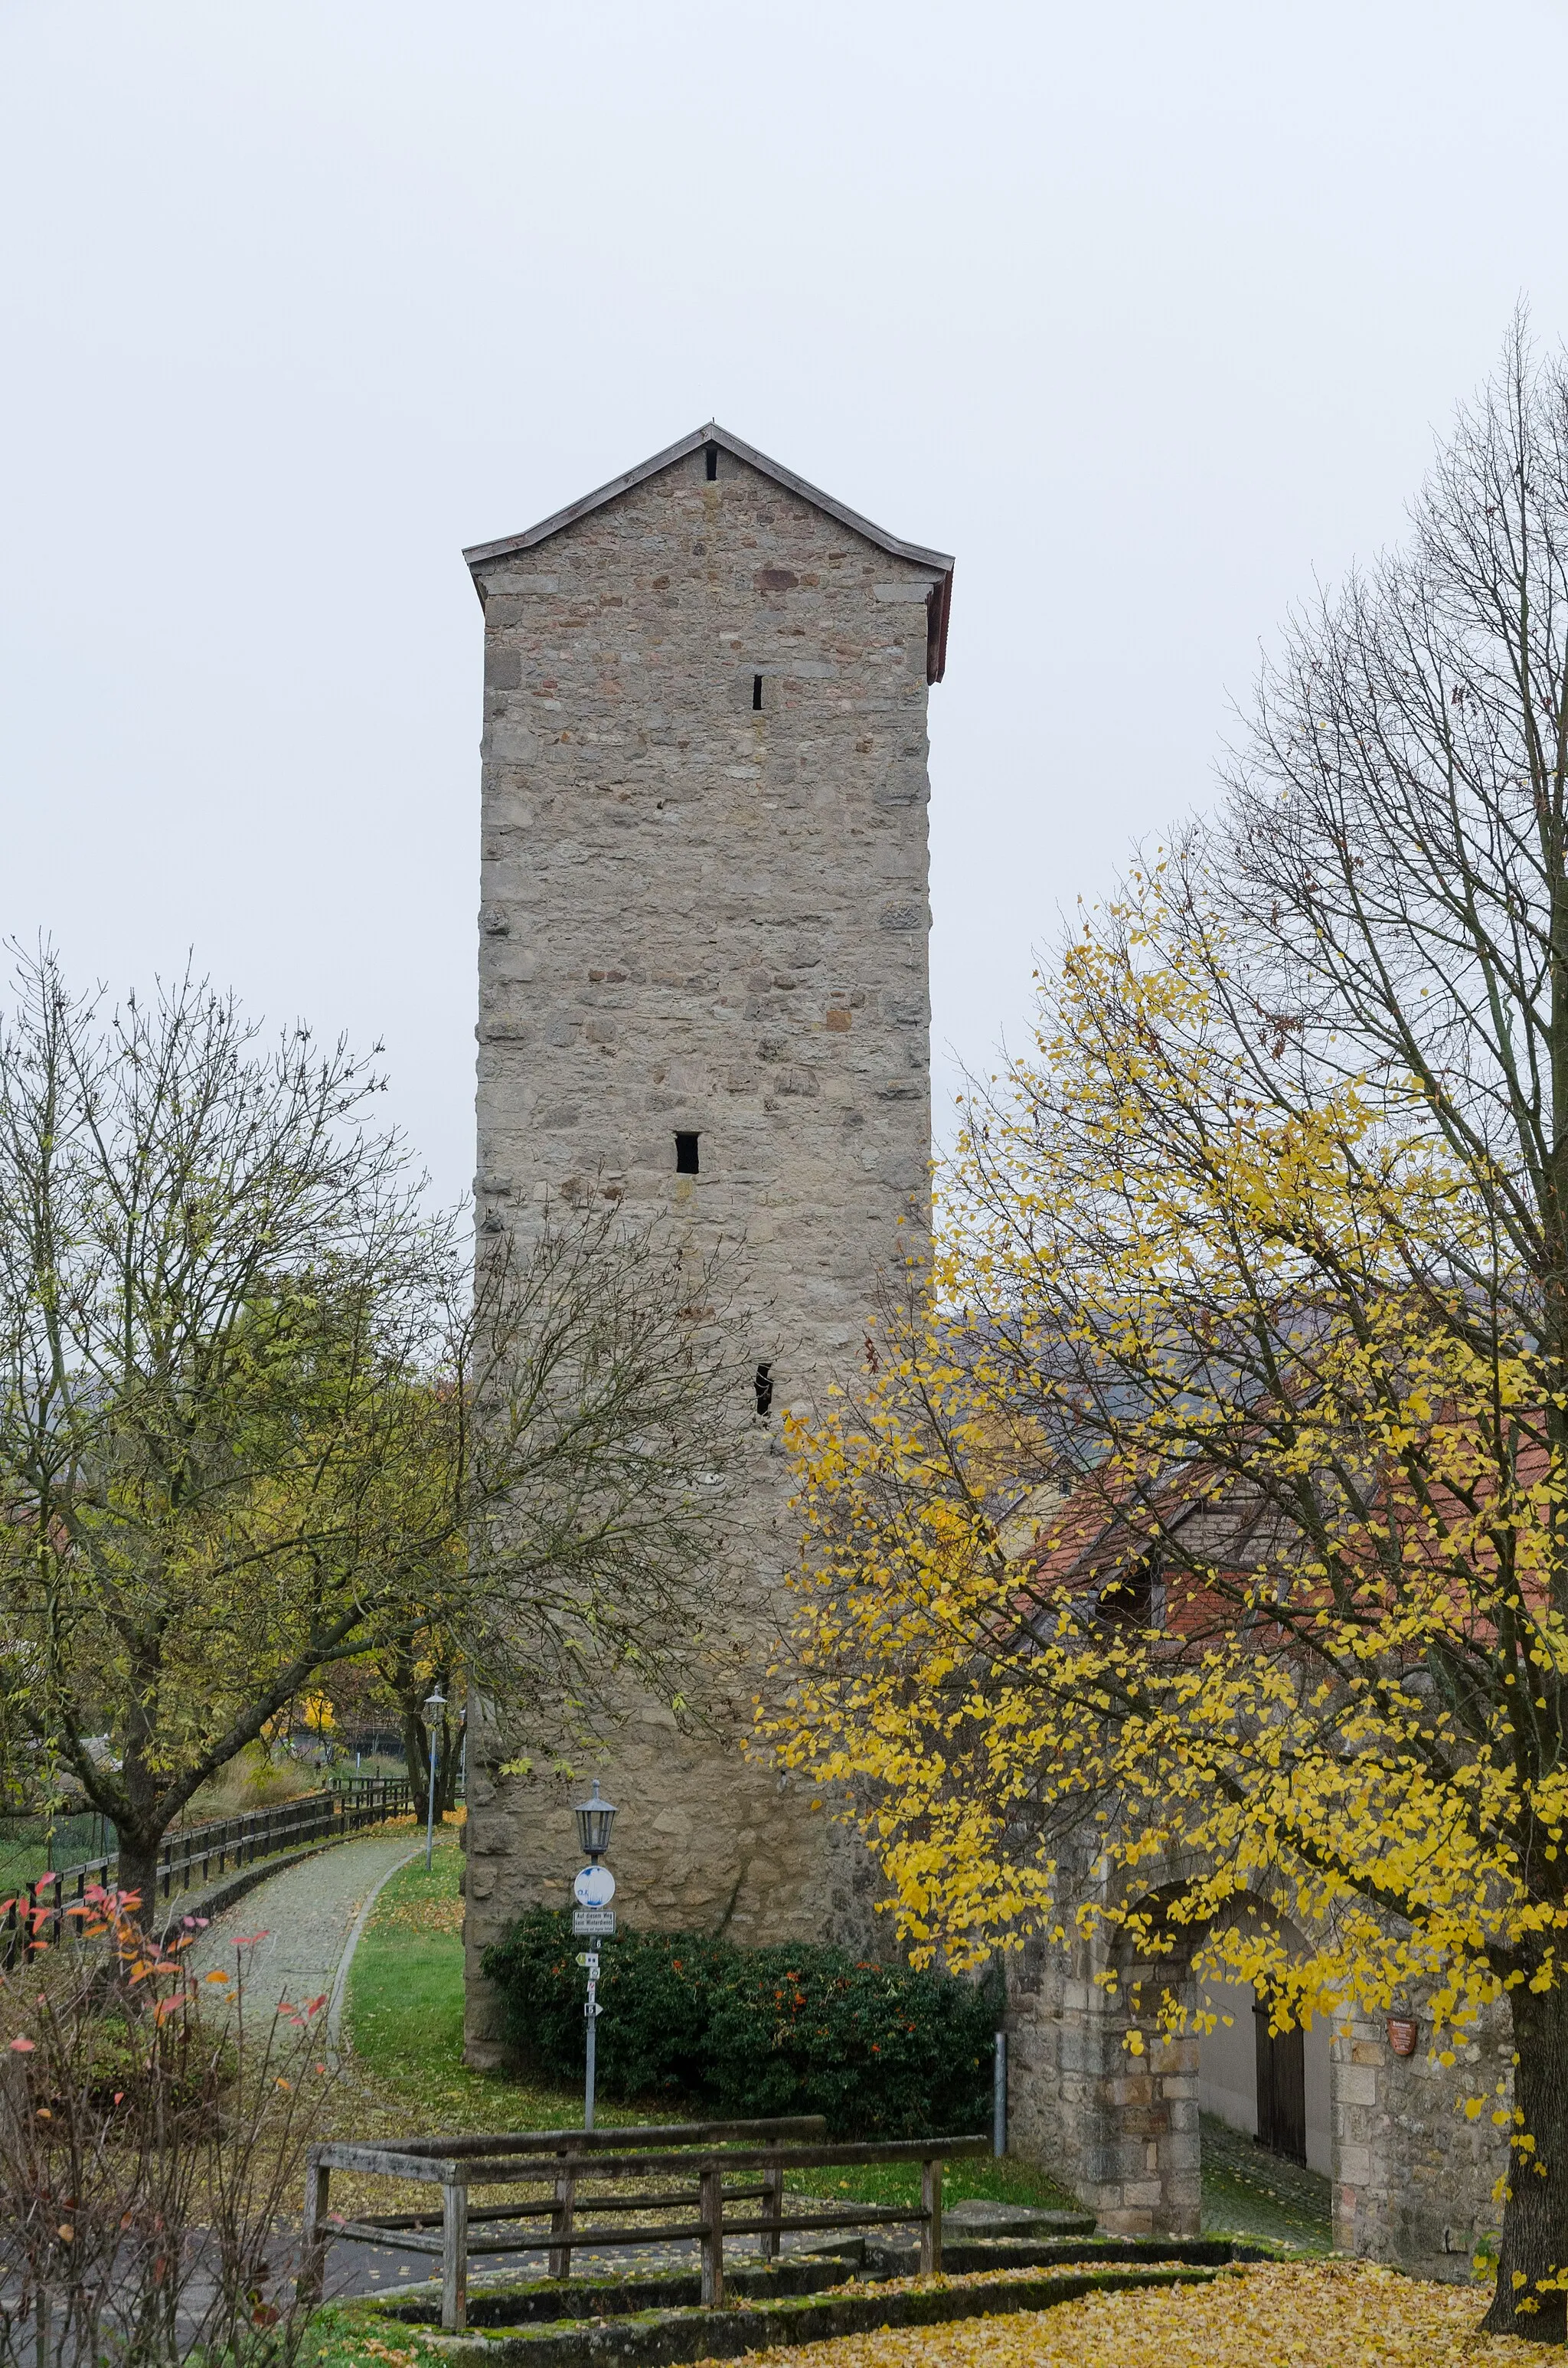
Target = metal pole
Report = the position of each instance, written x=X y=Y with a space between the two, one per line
x=999 y=2097
x=592 y=2011
x=430 y=1813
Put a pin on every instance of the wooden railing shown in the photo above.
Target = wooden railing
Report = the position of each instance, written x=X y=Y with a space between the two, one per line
x=194 y=1855
x=701 y=2154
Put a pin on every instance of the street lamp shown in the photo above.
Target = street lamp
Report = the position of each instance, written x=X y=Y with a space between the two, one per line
x=593 y=1888
x=595 y=1817
x=435 y=1704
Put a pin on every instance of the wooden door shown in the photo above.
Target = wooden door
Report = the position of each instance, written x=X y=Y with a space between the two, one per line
x=1281 y=2088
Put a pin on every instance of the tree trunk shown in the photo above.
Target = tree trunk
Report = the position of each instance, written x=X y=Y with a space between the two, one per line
x=415 y=1755
x=1535 y=2216
x=139 y=1873
x=447 y=1766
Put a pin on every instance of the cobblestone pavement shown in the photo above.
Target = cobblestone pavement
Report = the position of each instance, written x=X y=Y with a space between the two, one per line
x=305 y=1914
x=1249 y=2190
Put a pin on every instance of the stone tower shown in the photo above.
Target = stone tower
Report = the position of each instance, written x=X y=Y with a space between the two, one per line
x=702 y=986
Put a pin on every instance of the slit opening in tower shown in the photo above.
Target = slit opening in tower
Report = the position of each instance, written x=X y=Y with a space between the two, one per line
x=710 y=454
x=765 y=1388
x=685 y=1154
x=757 y=690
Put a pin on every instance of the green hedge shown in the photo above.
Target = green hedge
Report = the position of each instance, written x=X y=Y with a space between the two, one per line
x=881 y=2051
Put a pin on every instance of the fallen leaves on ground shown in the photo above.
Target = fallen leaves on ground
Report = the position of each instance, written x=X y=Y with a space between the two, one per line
x=416 y=1915
x=1316 y=2314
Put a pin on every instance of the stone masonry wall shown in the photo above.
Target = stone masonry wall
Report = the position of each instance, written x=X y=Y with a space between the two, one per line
x=705 y=913
x=1413 y=2180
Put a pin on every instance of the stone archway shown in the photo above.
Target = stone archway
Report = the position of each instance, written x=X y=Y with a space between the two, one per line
x=1413 y=2177
x=1123 y=2121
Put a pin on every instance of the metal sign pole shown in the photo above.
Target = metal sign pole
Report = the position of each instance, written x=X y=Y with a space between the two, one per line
x=434 y=1708
x=999 y=2097
x=593 y=1888
x=592 y=2011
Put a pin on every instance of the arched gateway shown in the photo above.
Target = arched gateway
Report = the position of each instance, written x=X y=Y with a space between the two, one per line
x=1412 y=2180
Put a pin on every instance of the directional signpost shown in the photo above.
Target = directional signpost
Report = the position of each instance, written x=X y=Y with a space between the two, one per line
x=593 y=1920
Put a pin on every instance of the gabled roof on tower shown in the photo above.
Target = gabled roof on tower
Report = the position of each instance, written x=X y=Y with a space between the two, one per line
x=939 y=562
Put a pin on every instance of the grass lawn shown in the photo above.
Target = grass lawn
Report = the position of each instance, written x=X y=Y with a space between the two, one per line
x=20 y=1863
x=1008 y=2182
x=406 y=2073
x=336 y=2338
x=405 y=2023
x=29 y=1847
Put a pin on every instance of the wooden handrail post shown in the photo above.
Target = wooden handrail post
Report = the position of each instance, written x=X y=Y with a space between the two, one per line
x=312 y=2264
x=931 y=2220
x=454 y=2257
x=711 y=2190
x=561 y=2226
x=773 y=2210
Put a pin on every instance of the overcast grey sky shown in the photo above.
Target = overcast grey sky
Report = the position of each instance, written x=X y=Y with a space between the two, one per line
x=1148 y=314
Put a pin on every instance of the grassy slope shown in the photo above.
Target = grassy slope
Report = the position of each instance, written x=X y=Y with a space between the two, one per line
x=406 y=2022
x=406 y=2013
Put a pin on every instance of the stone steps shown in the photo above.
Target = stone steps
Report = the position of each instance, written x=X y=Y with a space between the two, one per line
x=650 y=2320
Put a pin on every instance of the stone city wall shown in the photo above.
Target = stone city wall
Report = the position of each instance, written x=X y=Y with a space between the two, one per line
x=1414 y=2181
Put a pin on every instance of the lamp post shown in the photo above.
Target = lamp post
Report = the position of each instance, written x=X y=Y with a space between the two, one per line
x=593 y=1888
x=435 y=1704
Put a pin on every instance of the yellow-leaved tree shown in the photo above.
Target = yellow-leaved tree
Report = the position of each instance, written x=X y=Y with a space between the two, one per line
x=1206 y=1506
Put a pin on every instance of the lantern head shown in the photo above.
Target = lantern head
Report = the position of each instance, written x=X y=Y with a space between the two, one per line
x=595 y=1817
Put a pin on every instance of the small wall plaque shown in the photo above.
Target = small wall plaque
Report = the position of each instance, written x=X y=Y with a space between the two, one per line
x=1403 y=2033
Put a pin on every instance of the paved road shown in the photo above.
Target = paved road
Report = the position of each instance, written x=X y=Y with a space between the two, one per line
x=306 y=1915
x=309 y=1917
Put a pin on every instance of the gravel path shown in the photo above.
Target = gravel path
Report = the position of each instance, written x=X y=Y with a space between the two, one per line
x=306 y=1915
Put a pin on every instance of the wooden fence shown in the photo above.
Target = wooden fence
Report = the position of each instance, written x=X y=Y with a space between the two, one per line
x=194 y=1855
x=699 y=2155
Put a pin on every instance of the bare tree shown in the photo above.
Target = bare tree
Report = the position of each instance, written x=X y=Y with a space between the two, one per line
x=1396 y=848
x=257 y=1417
x=150 y=2151
x=1266 y=1249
